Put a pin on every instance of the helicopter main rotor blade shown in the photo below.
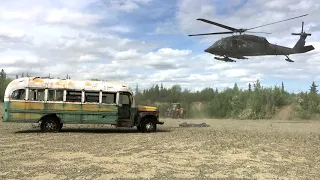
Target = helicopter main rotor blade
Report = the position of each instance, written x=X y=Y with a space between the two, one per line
x=218 y=24
x=278 y=21
x=229 y=32
x=258 y=32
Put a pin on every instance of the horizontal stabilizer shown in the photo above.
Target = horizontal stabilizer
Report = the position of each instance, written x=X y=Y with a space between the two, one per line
x=308 y=48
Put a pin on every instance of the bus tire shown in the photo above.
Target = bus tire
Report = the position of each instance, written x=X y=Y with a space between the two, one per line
x=50 y=124
x=139 y=128
x=148 y=125
x=61 y=125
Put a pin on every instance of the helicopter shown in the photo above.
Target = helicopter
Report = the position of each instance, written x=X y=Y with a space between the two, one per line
x=239 y=46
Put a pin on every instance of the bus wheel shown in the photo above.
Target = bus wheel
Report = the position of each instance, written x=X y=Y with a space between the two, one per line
x=139 y=127
x=50 y=124
x=148 y=125
x=61 y=125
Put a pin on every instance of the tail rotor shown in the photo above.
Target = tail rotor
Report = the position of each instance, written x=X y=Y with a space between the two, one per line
x=302 y=32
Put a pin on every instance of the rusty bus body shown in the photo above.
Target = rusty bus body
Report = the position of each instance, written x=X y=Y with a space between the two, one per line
x=54 y=102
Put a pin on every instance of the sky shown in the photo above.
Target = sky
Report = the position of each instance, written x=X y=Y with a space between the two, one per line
x=146 y=42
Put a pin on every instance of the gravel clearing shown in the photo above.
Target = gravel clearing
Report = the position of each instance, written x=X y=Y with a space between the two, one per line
x=228 y=149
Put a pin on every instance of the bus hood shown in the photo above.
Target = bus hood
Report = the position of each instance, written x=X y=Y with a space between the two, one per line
x=147 y=108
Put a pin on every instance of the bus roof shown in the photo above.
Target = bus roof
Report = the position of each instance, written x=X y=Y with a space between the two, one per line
x=36 y=82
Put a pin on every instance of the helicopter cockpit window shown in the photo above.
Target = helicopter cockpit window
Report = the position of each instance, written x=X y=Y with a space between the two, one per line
x=242 y=43
x=218 y=43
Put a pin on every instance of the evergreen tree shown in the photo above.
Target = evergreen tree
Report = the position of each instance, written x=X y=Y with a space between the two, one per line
x=137 y=89
x=282 y=87
x=3 y=75
x=249 y=88
x=3 y=84
x=313 y=88
x=157 y=92
x=235 y=87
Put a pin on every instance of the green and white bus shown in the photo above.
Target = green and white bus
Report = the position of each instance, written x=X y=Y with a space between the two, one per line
x=54 y=102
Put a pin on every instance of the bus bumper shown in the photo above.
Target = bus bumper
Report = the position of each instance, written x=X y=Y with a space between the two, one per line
x=160 y=122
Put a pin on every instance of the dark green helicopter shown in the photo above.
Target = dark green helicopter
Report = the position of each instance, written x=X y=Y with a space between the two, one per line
x=238 y=46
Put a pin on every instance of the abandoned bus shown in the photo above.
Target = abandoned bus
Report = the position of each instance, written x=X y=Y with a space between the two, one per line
x=54 y=102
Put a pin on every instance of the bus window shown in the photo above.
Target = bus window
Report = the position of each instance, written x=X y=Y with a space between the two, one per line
x=59 y=95
x=40 y=94
x=74 y=96
x=36 y=95
x=18 y=94
x=92 y=97
x=51 y=95
x=125 y=99
x=55 y=95
x=109 y=98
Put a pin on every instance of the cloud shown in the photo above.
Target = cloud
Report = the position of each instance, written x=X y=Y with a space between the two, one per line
x=126 y=55
x=144 y=42
x=65 y=16
x=125 y=5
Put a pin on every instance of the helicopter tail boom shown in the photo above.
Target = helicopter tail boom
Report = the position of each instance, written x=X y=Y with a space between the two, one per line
x=300 y=47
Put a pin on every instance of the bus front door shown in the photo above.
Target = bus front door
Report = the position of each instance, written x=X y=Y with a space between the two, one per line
x=124 y=110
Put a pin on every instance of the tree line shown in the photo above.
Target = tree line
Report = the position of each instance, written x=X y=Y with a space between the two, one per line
x=254 y=102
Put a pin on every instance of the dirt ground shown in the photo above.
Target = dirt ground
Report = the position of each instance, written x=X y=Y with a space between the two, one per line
x=228 y=149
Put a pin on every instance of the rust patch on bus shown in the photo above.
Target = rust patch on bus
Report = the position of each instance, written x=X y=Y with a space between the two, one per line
x=108 y=108
x=35 y=105
x=17 y=115
x=90 y=107
x=72 y=107
x=33 y=116
x=17 y=105
x=60 y=82
x=55 y=106
x=37 y=80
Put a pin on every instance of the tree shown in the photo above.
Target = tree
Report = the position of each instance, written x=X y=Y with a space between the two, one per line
x=3 y=75
x=235 y=87
x=3 y=83
x=249 y=87
x=257 y=85
x=313 y=88
x=137 y=89
x=282 y=87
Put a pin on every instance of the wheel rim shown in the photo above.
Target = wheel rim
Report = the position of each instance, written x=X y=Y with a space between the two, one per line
x=50 y=126
x=149 y=126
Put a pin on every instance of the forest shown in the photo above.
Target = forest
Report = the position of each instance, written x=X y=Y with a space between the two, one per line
x=255 y=102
